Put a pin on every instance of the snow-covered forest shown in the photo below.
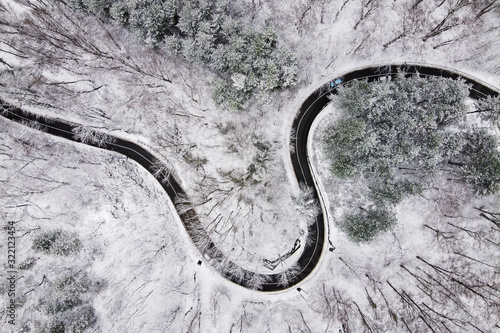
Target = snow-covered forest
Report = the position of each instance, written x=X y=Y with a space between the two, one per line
x=212 y=87
x=394 y=138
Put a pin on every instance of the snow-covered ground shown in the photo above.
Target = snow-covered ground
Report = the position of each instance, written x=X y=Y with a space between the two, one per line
x=442 y=227
x=131 y=236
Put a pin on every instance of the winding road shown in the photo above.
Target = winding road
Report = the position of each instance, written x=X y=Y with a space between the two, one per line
x=314 y=250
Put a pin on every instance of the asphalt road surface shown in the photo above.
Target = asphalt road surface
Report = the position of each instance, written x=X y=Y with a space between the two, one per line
x=312 y=251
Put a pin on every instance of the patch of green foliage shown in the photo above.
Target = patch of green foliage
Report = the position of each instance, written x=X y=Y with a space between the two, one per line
x=367 y=224
x=68 y=304
x=248 y=62
x=399 y=134
x=57 y=242
x=392 y=123
x=76 y=320
x=481 y=162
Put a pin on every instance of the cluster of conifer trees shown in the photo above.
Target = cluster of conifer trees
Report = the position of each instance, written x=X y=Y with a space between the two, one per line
x=248 y=63
x=400 y=134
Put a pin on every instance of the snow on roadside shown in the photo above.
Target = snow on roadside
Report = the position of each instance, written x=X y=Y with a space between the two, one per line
x=428 y=230
x=136 y=108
